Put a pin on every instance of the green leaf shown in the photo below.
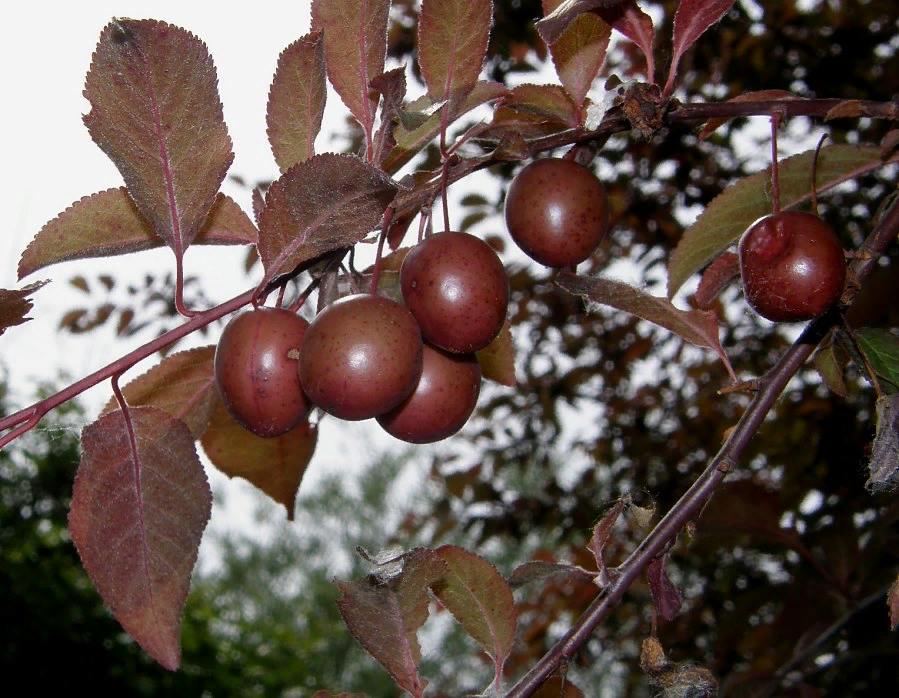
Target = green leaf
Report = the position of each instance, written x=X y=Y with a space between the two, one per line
x=497 y=359
x=882 y=350
x=296 y=101
x=108 y=223
x=736 y=208
x=155 y=111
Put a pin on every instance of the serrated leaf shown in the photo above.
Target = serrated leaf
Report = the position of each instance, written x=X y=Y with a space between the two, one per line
x=579 y=53
x=155 y=111
x=355 y=36
x=882 y=350
x=699 y=327
x=737 y=207
x=666 y=598
x=140 y=503
x=108 y=224
x=182 y=385
x=497 y=359
x=16 y=304
x=319 y=205
x=553 y=25
x=276 y=466
x=481 y=601
x=636 y=25
x=883 y=468
x=691 y=20
x=296 y=100
x=540 y=570
x=384 y=615
x=452 y=44
x=893 y=603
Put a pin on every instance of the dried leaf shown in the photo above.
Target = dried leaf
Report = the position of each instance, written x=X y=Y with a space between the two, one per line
x=497 y=359
x=883 y=468
x=384 y=615
x=758 y=95
x=481 y=601
x=15 y=305
x=139 y=506
x=691 y=20
x=319 y=205
x=601 y=532
x=699 y=327
x=108 y=224
x=666 y=598
x=355 y=49
x=296 y=101
x=452 y=44
x=276 y=466
x=579 y=53
x=155 y=111
x=182 y=385
x=539 y=570
x=736 y=208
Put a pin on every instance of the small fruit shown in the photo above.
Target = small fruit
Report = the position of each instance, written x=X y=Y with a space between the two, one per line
x=443 y=400
x=361 y=356
x=457 y=289
x=557 y=212
x=792 y=266
x=255 y=370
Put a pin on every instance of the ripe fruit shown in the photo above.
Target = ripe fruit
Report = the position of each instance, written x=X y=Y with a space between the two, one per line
x=256 y=374
x=443 y=400
x=361 y=356
x=457 y=289
x=557 y=212
x=792 y=266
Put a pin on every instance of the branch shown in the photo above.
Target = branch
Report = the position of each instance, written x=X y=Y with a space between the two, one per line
x=769 y=389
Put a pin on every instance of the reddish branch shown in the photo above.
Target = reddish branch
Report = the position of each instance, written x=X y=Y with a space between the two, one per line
x=687 y=507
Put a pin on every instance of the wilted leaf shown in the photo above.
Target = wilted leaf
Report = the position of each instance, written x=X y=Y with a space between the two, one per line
x=480 y=600
x=713 y=124
x=542 y=104
x=883 y=469
x=140 y=503
x=893 y=603
x=691 y=20
x=452 y=43
x=497 y=359
x=665 y=596
x=15 y=305
x=319 y=205
x=108 y=223
x=384 y=615
x=601 y=532
x=557 y=687
x=699 y=327
x=155 y=111
x=182 y=385
x=355 y=48
x=276 y=466
x=881 y=348
x=296 y=101
x=736 y=208
x=579 y=53
x=540 y=570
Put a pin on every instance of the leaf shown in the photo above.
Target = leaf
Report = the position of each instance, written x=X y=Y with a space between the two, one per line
x=881 y=348
x=893 y=603
x=557 y=687
x=724 y=270
x=452 y=44
x=699 y=327
x=276 y=466
x=747 y=507
x=636 y=25
x=182 y=385
x=497 y=359
x=553 y=25
x=829 y=363
x=666 y=598
x=549 y=104
x=601 y=532
x=757 y=95
x=355 y=36
x=319 y=205
x=15 y=305
x=691 y=20
x=579 y=53
x=737 y=207
x=384 y=615
x=296 y=101
x=540 y=570
x=140 y=503
x=108 y=223
x=155 y=111
x=480 y=600
x=883 y=468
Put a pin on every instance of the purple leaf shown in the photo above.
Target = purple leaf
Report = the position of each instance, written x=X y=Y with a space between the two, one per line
x=155 y=111
x=452 y=44
x=665 y=596
x=296 y=101
x=553 y=25
x=139 y=506
x=724 y=270
x=697 y=327
x=636 y=25
x=540 y=570
x=319 y=205
x=108 y=223
x=691 y=20
x=601 y=532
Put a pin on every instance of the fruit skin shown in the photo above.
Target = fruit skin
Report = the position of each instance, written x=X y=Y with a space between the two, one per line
x=443 y=400
x=557 y=212
x=457 y=289
x=256 y=377
x=791 y=265
x=362 y=356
